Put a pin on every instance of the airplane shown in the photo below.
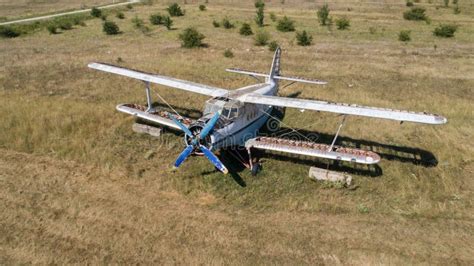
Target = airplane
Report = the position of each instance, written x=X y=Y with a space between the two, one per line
x=233 y=118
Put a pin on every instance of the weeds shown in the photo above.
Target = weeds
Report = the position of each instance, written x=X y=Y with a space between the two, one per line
x=260 y=16
x=404 y=36
x=228 y=53
x=120 y=15
x=227 y=24
x=323 y=15
x=416 y=13
x=261 y=38
x=9 y=32
x=272 y=46
x=95 y=12
x=167 y=22
x=52 y=29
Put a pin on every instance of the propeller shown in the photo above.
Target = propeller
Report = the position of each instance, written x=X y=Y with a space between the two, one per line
x=196 y=145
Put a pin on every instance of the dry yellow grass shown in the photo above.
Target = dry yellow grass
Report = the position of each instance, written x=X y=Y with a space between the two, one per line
x=76 y=186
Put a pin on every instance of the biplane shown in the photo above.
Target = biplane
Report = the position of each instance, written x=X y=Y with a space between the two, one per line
x=234 y=117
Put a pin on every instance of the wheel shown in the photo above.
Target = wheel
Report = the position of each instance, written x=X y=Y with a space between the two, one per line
x=256 y=168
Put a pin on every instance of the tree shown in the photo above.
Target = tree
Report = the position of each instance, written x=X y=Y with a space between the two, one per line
x=175 y=10
x=303 y=38
x=343 y=23
x=95 y=12
x=246 y=30
x=285 y=25
x=404 y=36
x=168 y=22
x=110 y=28
x=323 y=15
x=260 y=13
x=190 y=38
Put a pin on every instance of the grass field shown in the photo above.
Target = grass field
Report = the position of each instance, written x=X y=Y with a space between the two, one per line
x=78 y=185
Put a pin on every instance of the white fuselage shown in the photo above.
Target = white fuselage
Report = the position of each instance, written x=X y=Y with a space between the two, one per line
x=239 y=121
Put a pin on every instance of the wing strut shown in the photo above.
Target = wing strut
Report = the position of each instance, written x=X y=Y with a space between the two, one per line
x=148 y=97
x=337 y=132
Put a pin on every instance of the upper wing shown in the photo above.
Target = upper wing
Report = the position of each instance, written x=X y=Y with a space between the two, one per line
x=343 y=108
x=162 y=80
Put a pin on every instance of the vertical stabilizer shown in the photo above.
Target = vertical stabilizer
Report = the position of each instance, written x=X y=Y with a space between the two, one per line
x=275 y=70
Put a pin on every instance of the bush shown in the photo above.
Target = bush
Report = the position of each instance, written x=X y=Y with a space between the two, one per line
x=9 y=32
x=456 y=10
x=416 y=13
x=202 y=7
x=103 y=17
x=120 y=15
x=156 y=19
x=95 y=12
x=190 y=38
x=409 y=3
x=52 y=28
x=110 y=28
x=303 y=38
x=175 y=10
x=446 y=3
x=216 y=24
x=129 y=6
x=261 y=38
x=285 y=25
x=65 y=25
x=273 y=17
x=137 y=23
x=228 y=53
x=246 y=30
x=404 y=36
x=167 y=22
x=323 y=15
x=227 y=24
x=445 y=30
x=272 y=46
x=259 y=19
x=343 y=23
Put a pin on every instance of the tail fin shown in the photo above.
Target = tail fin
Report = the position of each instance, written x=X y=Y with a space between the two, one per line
x=275 y=70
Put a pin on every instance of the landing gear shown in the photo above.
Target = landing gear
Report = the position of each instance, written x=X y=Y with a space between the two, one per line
x=256 y=167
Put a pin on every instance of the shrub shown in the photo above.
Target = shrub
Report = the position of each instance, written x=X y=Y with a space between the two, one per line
x=446 y=3
x=246 y=30
x=65 y=25
x=261 y=38
x=456 y=10
x=120 y=15
x=216 y=24
x=202 y=7
x=52 y=28
x=137 y=23
x=190 y=38
x=404 y=36
x=167 y=22
x=372 y=30
x=259 y=19
x=156 y=19
x=445 y=30
x=303 y=38
x=228 y=53
x=103 y=17
x=227 y=24
x=272 y=46
x=323 y=15
x=129 y=6
x=175 y=10
x=95 y=12
x=343 y=23
x=273 y=17
x=110 y=28
x=416 y=13
x=9 y=32
x=285 y=24
x=409 y=3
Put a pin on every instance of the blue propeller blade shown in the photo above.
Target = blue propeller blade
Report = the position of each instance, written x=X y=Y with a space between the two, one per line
x=185 y=154
x=183 y=127
x=209 y=126
x=214 y=160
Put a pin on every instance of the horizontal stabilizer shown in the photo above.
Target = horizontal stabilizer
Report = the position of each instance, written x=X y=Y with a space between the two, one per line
x=289 y=78
x=313 y=149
